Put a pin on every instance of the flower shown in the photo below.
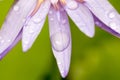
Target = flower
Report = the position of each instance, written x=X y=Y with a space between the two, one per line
x=26 y=18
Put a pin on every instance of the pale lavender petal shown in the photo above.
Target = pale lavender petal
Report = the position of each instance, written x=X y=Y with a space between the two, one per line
x=60 y=38
x=34 y=25
x=81 y=16
x=105 y=12
x=106 y=28
x=18 y=38
x=14 y=22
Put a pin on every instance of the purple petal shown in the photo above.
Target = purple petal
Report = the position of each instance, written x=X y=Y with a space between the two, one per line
x=60 y=38
x=34 y=25
x=106 y=28
x=81 y=16
x=14 y=22
x=11 y=46
x=105 y=12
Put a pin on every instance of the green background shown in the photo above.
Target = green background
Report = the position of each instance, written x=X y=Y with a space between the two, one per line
x=95 y=58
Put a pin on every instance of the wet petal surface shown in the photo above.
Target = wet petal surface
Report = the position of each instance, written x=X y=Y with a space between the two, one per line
x=81 y=16
x=105 y=12
x=12 y=25
x=61 y=39
x=34 y=25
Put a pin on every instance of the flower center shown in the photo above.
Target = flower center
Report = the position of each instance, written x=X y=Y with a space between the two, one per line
x=55 y=4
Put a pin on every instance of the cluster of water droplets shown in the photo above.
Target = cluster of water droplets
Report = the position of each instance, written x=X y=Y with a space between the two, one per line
x=113 y=25
x=3 y=42
x=30 y=27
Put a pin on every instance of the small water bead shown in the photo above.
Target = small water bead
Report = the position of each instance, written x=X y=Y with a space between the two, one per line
x=36 y=20
x=8 y=40
x=59 y=63
x=26 y=41
x=50 y=12
x=2 y=41
x=72 y=4
x=113 y=25
x=111 y=14
x=31 y=31
x=60 y=41
x=16 y=8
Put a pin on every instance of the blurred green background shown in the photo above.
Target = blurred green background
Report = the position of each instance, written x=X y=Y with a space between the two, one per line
x=95 y=58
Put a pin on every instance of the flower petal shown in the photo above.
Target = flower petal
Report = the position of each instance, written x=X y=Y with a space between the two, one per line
x=105 y=12
x=14 y=22
x=106 y=28
x=34 y=25
x=18 y=38
x=81 y=16
x=61 y=39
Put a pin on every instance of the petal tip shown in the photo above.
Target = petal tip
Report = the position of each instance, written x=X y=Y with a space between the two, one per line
x=90 y=34
x=64 y=74
x=25 y=48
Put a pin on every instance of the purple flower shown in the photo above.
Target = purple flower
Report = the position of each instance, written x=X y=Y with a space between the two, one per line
x=26 y=18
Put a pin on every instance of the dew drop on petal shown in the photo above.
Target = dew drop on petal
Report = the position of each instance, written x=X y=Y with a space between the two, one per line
x=60 y=41
x=72 y=4
x=111 y=14
x=50 y=12
x=36 y=20
x=31 y=31
x=2 y=41
x=8 y=40
x=113 y=25
x=51 y=19
x=16 y=8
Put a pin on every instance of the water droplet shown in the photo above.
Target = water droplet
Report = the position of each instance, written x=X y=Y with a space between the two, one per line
x=50 y=12
x=31 y=31
x=2 y=41
x=72 y=5
x=113 y=25
x=16 y=8
x=8 y=40
x=37 y=20
x=26 y=41
x=59 y=63
x=111 y=14
x=60 y=41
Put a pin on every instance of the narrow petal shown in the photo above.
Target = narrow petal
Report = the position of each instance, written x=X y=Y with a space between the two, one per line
x=81 y=16
x=106 y=28
x=61 y=39
x=34 y=25
x=14 y=22
x=18 y=38
x=105 y=12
